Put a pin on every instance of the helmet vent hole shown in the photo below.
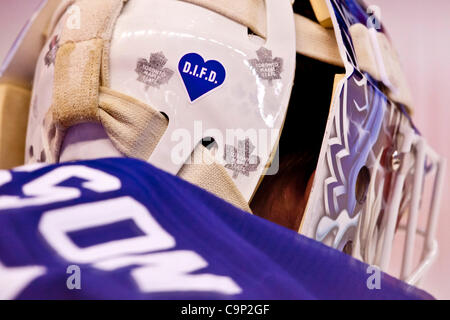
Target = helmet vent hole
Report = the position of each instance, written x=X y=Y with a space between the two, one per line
x=165 y=115
x=250 y=32
x=362 y=185
x=255 y=38
x=43 y=157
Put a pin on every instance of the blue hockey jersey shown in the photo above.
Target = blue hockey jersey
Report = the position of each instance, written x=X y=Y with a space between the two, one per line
x=122 y=229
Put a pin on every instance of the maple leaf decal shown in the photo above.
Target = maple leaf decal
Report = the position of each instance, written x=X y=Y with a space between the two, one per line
x=239 y=159
x=152 y=72
x=266 y=67
x=53 y=47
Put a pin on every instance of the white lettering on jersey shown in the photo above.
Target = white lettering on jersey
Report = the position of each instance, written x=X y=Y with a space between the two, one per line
x=153 y=272
x=44 y=190
x=156 y=272
x=14 y=279
x=169 y=271
x=55 y=225
x=5 y=177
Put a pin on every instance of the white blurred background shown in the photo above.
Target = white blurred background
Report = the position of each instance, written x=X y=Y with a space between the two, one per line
x=420 y=31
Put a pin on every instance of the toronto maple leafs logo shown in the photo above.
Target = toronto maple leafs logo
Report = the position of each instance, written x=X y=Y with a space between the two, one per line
x=266 y=67
x=239 y=159
x=152 y=72
x=53 y=47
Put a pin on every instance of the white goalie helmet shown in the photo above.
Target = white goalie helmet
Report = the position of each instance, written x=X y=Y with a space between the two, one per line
x=205 y=90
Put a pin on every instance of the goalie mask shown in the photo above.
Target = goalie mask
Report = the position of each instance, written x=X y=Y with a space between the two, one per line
x=201 y=89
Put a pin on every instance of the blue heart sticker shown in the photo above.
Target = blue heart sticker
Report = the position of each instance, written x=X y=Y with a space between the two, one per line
x=200 y=77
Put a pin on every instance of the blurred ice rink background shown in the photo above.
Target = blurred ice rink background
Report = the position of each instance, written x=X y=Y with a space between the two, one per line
x=420 y=31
